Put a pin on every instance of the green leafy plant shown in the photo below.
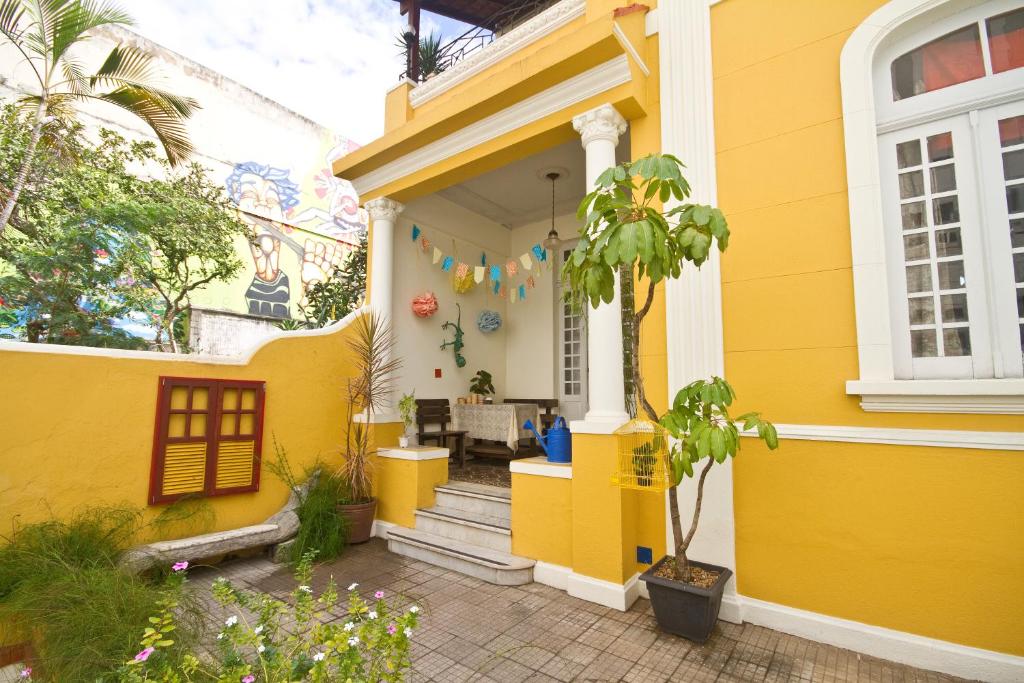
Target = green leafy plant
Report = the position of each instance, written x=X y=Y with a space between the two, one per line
x=340 y=294
x=45 y=34
x=407 y=409
x=481 y=383
x=430 y=53
x=62 y=590
x=626 y=230
x=281 y=642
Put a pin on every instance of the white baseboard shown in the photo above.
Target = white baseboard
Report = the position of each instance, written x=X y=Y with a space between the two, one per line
x=381 y=528
x=554 y=575
x=918 y=651
x=615 y=595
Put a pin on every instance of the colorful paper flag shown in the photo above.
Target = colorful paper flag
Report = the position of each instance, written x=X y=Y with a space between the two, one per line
x=522 y=291
x=496 y=273
x=415 y=232
x=426 y=244
x=462 y=270
x=515 y=296
x=437 y=255
x=446 y=265
x=478 y=274
x=497 y=286
x=538 y=251
x=526 y=261
x=483 y=259
x=530 y=282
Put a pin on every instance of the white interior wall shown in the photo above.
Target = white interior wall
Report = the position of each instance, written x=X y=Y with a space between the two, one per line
x=464 y=234
x=530 y=335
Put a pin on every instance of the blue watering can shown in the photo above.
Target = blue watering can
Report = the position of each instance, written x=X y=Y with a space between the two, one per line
x=558 y=443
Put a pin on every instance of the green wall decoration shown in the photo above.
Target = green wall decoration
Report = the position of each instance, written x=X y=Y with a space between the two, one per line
x=456 y=342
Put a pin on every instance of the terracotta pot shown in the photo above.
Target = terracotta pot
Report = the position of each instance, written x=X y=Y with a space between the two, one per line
x=360 y=520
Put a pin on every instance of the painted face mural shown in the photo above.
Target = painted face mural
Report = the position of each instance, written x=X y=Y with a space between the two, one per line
x=342 y=218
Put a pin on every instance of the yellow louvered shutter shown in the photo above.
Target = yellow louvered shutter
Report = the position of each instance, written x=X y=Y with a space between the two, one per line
x=184 y=469
x=234 y=464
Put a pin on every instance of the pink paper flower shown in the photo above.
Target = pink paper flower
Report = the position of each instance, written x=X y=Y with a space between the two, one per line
x=379 y=594
x=392 y=629
x=144 y=655
x=179 y=566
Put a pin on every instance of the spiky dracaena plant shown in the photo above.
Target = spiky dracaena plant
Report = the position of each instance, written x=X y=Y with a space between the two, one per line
x=371 y=347
x=46 y=33
x=637 y=219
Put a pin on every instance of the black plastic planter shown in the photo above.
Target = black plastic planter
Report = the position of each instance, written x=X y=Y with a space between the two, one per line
x=682 y=609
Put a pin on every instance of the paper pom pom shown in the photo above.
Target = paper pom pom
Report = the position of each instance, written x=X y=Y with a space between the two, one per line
x=424 y=305
x=488 y=321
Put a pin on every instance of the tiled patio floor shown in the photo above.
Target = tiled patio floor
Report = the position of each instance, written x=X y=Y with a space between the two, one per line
x=472 y=630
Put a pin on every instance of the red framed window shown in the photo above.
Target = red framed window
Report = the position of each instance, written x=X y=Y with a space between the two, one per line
x=208 y=438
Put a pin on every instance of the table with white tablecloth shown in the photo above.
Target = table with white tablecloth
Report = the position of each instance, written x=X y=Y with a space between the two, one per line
x=501 y=422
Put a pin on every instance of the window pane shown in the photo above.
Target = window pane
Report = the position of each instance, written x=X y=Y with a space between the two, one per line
x=1006 y=41
x=1015 y=198
x=913 y=215
x=956 y=341
x=247 y=425
x=1011 y=131
x=945 y=210
x=200 y=396
x=1018 y=267
x=922 y=310
x=951 y=275
x=179 y=398
x=940 y=147
x=922 y=344
x=951 y=59
x=176 y=425
x=911 y=184
x=943 y=178
x=908 y=153
x=947 y=242
x=227 y=424
x=248 y=399
x=1017 y=232
x=197 y=426
x=1013 y=164
x=1020 y=303
x=919 y=278
x=954 y=308
x=915 y=247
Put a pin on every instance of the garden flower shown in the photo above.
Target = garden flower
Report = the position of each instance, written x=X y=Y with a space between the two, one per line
x=144 y=655
x=379 y=594
x=248 y=679
x=305 y=589
x=372 y=615
x=349 y=626
x=179 y=566
x=231 y=621
x=318 y=657
x=408 y=632
x=353 y=641
x=261 y=648
x=220 y=636
x=392 y=629
x=26 y=672
x=414 y=609
x=258 y=630
x=353 y=586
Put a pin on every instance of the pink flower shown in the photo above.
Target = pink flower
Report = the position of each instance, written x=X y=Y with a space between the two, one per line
x=101 y=253
x=144 y=655
x=26 y=672
x=379 y=594
x=179 y=566
x=248 y=679
x=392 y=629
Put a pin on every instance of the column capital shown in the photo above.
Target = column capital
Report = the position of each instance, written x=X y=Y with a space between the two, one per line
x=603 y=123
x=384 y=209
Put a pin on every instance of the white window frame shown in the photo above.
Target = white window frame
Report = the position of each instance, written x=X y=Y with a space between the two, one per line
x=879 y=39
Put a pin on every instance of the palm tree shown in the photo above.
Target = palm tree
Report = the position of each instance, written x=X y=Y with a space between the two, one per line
x=45 y=33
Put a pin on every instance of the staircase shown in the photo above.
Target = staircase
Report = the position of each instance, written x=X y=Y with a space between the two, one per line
x=469 y=531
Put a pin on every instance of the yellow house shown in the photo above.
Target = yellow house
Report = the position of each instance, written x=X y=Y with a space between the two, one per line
x=868 y=155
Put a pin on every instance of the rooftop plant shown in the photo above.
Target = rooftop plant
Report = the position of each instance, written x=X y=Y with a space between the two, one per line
x=638 y=220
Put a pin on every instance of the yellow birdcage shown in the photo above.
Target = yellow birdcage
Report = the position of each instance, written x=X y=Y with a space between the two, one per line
x=642 y=448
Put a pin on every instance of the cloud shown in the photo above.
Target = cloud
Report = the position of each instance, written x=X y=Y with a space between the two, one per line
x=330 y=60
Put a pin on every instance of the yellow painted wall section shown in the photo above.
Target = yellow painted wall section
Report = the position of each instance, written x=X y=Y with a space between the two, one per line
x=917 y=539
x=923 y=540
x=405 y=485
x=542 y=518
x=78 y=429
x=598 y=538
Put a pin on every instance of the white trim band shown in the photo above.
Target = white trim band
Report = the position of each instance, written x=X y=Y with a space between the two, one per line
x=554 y=575
x=942 y=438
x=614 y=595
x=540 y=467
x=974 y=396
x=414 y=453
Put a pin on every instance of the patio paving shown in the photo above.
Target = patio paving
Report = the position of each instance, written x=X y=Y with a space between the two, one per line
x=475 y=631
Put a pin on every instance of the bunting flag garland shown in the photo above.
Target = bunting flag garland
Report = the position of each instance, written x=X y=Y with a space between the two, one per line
x=466 y=276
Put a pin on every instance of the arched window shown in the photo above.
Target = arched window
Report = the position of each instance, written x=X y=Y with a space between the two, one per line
x=947 y=99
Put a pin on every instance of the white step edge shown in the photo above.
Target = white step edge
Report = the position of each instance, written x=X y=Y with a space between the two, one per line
x=479 y=520
x=488 y=565
x=486 y=531
x=471 y=490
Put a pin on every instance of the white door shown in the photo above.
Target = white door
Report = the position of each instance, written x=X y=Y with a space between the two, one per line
x=570 y=348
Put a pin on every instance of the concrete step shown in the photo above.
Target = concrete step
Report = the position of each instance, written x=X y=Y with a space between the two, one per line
x=469 y=527
x=492 y=566
x=493 y=501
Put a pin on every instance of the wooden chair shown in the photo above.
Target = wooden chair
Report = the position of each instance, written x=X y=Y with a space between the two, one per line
x=437 y=411
x=548 y=406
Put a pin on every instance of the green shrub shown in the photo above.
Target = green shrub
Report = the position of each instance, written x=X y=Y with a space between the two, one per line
x=322 y=529
x=60 y=586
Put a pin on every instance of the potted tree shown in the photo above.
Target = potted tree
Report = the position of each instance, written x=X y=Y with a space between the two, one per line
x=482 y=386
x=371 y=347
x=407 y=409
x=626 y=231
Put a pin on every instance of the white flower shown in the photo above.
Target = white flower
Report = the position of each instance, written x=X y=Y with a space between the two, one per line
x=306 y=589
x=231 y=621
x=261 y=648
x=353 y=641
x=372 y=615
x=220 y=636
x=349 y=626
x=318 y=657
x=414 y=609
x=258 y=630
x=408 y=632
x=353 y=586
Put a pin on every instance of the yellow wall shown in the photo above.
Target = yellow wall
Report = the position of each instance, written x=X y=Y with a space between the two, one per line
x=404 y=485
x=78 y=429
x=924 y=540
x=542 y=518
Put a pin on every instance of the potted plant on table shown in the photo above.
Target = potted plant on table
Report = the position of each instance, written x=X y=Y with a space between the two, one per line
x=625 y=230
x=407 y=409
x=482 y=386
x=371 y=347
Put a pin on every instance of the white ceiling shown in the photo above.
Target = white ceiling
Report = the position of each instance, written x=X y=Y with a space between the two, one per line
x=519 y=193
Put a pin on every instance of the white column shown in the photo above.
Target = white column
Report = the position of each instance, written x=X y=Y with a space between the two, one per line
x=600 y=129
x=693 y=303
x=383 y=216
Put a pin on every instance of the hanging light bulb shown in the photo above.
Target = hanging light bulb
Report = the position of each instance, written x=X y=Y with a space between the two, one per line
x=552 y=241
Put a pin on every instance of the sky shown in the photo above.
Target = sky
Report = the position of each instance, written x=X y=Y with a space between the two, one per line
x=329 y=60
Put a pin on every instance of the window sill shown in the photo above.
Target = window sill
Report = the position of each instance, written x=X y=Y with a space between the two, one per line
x=983 y=396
